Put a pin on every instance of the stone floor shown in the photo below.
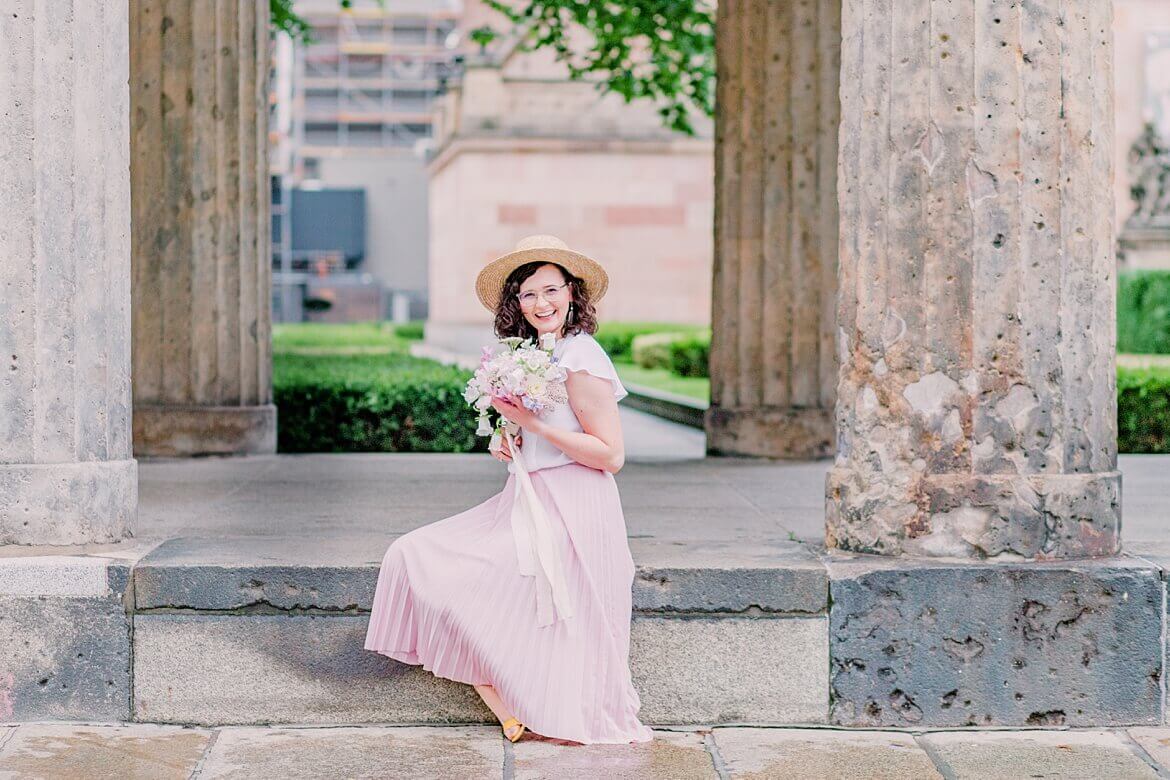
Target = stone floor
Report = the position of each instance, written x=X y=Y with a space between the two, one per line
x=132 y=750
x=676 y=498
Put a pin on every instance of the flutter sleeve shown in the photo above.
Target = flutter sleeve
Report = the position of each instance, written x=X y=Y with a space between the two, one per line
x=583 y=353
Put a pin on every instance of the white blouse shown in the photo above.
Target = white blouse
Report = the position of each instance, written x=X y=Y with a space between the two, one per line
x=578 y=352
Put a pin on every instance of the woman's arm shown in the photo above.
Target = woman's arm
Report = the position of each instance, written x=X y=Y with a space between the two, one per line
x=591 y=397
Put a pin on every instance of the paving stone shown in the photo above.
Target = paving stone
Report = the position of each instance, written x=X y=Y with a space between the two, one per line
x=996 y=755
x=1155 y=741
x=931 y=643
x=674 y=755
x=141 y=751
x=812 y=754
x=720 y=670
x=368 y=752
x=251 y=669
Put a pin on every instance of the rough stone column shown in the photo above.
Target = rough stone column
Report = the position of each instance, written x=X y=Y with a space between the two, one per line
x=773 y=361
x=66 y=471
x=202 y=268
x=977 y=408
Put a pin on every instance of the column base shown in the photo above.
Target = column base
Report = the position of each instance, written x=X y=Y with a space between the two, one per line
x=937 y=644
x=771 y=431
x=183 y=431
x=1001 y=516
x=68 y=503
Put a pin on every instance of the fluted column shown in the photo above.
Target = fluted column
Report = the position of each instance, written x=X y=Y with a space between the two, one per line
x=773 y=365
x=66 y=471
x=977 y=410
x=202 y=268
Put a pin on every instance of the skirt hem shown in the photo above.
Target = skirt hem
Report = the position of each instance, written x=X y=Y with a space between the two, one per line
x=403 y=657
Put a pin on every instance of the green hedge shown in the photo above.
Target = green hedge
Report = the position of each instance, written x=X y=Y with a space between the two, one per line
x=1143 y=312
x=691 y=356
x=1143 y=410
x=652 y=350
x=410 y=331
x=617 y=338
x=380 y=403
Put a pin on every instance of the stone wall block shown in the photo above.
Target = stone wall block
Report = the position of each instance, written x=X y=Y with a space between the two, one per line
x=1034 y=644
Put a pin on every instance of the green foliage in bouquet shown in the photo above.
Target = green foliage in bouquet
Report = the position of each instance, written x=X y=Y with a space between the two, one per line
x=362 y=403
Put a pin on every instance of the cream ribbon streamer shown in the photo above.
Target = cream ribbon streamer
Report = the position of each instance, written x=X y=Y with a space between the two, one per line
x=535 y=545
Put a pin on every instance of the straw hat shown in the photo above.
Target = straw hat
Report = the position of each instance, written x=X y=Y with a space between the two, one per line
x=549 y=249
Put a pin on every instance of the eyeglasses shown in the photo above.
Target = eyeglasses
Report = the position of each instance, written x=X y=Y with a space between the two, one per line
x=550 y=293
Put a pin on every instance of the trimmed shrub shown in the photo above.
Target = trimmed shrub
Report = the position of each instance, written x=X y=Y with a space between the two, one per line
x=690 y=356
x=372 y=403
x=409 y=331
x=652 y=350
x=617 y=338
x=1143 y=410
x=1143 y=312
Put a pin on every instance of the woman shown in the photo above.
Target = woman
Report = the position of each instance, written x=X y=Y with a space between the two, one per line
x=454 y=595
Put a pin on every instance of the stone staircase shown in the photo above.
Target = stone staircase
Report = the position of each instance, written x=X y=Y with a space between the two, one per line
x=245 y=599
x=270 y=630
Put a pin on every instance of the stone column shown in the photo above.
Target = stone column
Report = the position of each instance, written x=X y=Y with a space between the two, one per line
x=202 y=268
x=773 y=365
x=66 y=471
x=977 y=410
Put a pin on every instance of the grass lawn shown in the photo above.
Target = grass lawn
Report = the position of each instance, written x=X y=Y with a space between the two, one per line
x=698 y=388
x=324 y=338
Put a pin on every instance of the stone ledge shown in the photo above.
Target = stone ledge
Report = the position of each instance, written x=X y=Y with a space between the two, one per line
x=779 y=577
x=233 y=669
x=956 y=643
x=292 y=573
x=668 y=406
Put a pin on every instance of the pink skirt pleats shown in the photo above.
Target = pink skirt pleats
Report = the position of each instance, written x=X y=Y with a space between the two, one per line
x=451 y=599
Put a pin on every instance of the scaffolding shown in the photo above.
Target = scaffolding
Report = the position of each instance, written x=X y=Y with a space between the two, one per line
x=369 y=79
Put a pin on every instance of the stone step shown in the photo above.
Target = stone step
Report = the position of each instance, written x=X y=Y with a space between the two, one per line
x=271 y=630
x=237 y=631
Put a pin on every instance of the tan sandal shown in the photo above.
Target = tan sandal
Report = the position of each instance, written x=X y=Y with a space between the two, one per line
x=512 y=723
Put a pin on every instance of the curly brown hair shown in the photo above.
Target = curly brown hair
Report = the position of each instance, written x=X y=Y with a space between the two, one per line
x=510 y=321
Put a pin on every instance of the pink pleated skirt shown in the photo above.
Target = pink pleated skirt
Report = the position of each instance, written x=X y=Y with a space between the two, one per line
x=451 y=599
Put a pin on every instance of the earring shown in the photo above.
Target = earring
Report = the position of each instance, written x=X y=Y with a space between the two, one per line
x=569 y=318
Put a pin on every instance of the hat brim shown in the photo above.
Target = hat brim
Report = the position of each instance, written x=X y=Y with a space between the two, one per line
x=489 y=285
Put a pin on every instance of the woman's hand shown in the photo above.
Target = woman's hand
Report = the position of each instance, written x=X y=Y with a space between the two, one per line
x=515 y=411
x=504 y=453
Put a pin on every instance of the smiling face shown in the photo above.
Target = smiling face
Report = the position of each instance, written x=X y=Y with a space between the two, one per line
x=544 y=299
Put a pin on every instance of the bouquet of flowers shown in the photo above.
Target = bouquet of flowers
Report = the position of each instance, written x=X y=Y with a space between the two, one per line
x=525 y=370
x=530 y=373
